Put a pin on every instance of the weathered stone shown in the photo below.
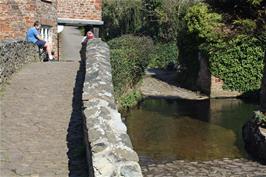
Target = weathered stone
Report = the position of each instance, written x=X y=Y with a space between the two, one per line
x=95 y=134
x=132 y=170
x=13 y=55
x=126 y=140
x=112 y=152
x=125 y=154
x=103 y=167
x=99 y=147
x=255 y=141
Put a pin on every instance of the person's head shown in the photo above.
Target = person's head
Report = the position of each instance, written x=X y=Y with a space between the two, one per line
x=37 y=25
x=90 y=35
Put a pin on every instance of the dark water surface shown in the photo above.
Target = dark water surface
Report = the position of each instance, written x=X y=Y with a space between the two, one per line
x=190 y=130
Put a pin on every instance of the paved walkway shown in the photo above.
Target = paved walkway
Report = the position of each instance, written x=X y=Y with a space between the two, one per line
x=214 y=168
x=71 y=43
x=41 y=131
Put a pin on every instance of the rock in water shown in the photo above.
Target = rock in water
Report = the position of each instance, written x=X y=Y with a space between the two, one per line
x=255 y=140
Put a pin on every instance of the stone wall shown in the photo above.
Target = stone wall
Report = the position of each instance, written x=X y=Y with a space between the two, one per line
x=13 y=55
x=82 y=9
x=204 y=76
x=112 y=153
x=211 y=85
x=217 y=90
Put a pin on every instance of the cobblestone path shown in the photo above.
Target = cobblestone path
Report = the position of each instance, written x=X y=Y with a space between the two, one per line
x=215 y=168
x=41 y=125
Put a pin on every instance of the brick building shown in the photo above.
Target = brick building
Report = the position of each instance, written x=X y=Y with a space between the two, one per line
x=16 y=16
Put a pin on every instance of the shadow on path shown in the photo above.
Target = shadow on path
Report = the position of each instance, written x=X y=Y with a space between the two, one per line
x=77 y=163
x=169 y=77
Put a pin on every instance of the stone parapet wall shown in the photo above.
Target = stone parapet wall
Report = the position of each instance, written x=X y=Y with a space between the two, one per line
x=13 y=55
x=111 y=148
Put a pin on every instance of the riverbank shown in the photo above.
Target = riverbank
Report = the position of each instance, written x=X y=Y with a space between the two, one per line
x=162 y=84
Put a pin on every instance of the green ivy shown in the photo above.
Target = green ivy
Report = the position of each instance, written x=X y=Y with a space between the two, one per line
x=236 y=57
x=238 y=62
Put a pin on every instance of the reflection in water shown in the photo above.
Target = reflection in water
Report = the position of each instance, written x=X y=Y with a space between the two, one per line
x=191 y=130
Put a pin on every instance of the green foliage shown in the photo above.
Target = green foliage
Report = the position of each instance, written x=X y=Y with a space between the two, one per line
x=163 y=55
x=236 y=58
x=121 y=17
x=202 y=22
x=188 y=44
x=246 y=25
x=238 y=62
x=128 y=59
x=254 y=2
x=160 y=19
x=142 y=46
x=126 y=69
x=260 y=117
x=130 y=99
x=155 y=18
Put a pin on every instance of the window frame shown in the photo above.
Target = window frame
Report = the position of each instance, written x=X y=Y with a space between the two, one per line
x=46 y=33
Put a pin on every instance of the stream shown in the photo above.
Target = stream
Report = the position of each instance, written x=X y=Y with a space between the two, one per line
x=167 y=130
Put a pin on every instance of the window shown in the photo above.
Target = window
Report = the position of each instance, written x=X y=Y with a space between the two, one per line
x=46 y=33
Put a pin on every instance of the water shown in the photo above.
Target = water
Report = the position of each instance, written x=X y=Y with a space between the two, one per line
x=190 y=130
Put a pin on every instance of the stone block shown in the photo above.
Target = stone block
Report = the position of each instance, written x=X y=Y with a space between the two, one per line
x=131 y=170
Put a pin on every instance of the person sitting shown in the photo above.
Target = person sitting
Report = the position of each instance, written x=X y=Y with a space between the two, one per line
x=34 y=36
x=89 y=36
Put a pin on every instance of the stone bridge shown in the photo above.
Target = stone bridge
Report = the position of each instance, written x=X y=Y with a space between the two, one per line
x=60 y=118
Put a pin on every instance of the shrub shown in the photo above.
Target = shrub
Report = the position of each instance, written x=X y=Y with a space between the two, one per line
x=238 y=62
x=202 y=22
x=129 y=58
x=236 y=58
x=126 y=69
x=163 y=55
x=130 y=99
x=260 y=117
